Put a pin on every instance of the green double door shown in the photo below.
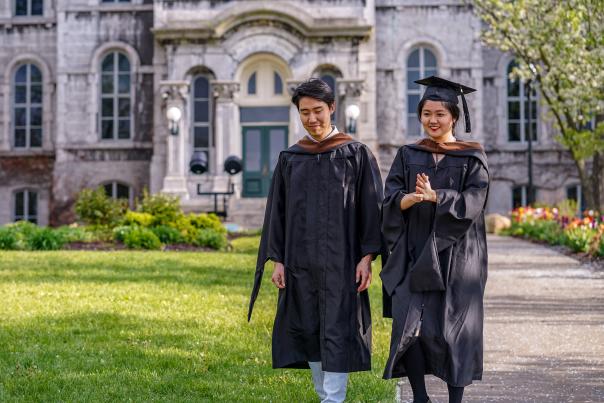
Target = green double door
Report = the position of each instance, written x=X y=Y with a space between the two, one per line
x=261 y=147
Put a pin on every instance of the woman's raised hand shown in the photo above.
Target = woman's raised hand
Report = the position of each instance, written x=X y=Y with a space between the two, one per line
x=423 y=188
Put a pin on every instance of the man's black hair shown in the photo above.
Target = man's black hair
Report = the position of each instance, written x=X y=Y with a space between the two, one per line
x=313 y=88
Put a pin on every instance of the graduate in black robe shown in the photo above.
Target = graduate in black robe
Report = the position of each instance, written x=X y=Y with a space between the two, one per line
x=433 y=224
x=322 y=224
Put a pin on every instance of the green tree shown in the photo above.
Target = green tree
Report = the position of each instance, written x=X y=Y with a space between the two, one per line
x=559 y=45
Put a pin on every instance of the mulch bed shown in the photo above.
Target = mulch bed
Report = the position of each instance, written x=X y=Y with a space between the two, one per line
x=114 y=246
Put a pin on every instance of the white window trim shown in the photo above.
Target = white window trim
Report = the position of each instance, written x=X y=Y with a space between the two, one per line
x=28 y=105
x=26 y=200
x=29 y=9
x=522 y=99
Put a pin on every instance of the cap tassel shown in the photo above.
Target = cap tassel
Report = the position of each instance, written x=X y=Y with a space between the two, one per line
x=466 y=113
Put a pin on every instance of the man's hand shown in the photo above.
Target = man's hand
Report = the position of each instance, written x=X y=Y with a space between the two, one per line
x=278 y=277
x=364 y=273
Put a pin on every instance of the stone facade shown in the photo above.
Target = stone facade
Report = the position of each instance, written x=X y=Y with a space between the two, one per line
x=237 y=46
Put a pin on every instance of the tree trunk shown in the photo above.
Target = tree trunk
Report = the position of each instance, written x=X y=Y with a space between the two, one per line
x=586 y=184
x=596 y=181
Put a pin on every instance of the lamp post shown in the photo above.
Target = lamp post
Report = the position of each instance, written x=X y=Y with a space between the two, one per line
x=352 y=114
x=530 y=193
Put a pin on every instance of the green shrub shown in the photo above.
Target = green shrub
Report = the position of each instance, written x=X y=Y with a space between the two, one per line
x=45 y=239
x=600 y=248
x=8 y=239
x=167 y=234
x=136 y=218
x=206 y=221
x=165 y=209
x=579 y=239
x=75 y=234
x=119 y=233
x=210 y=238
x=94 y=207
x=141 y=238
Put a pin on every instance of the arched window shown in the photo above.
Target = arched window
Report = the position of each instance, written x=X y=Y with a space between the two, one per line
x=25 y=206
x=115 y=97
x=202 y=116
x=25 y=8
x=518 y=109
x=421 y=63
x=27 y=107
x=278 y=84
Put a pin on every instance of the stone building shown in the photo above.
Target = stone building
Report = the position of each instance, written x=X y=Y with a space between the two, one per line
x=85 y=86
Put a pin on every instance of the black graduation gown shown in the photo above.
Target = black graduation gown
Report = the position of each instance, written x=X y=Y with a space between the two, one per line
x=322 y=217
x=437 y=268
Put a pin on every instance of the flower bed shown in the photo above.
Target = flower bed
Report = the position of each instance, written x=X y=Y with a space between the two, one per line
x=557 y=226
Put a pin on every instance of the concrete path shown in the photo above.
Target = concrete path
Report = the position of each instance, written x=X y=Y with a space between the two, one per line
x=544 y=329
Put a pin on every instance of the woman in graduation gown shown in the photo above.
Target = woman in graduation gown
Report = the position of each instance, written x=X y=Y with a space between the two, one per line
x=433 y=224
x=322 y=229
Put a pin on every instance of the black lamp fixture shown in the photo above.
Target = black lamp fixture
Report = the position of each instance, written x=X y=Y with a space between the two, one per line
x=199 y=163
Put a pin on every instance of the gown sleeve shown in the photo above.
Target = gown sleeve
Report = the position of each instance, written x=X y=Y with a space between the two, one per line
x=272 y=241
x=454 y=214
x=370 y=201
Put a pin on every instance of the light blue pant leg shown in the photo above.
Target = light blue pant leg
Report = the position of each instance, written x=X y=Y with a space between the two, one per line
x=317 y=378
x=330 y=386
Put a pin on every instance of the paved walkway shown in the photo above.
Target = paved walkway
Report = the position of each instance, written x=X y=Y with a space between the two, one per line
x=544 y=329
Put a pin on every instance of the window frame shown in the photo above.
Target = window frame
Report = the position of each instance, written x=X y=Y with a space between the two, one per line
x=522 y=100
x=421 y=68
x=28 y=105
x=210 y=149
x=115 y=96
x=26 y=205
x=114 y=184
x=29 y=9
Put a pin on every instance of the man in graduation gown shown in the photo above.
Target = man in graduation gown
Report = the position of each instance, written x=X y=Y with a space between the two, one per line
x=321 y=230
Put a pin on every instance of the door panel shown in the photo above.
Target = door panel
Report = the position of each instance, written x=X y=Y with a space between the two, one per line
x=261 y=147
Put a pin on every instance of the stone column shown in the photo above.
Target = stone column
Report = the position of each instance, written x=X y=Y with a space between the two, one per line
x=175 y=93
x=227 y=132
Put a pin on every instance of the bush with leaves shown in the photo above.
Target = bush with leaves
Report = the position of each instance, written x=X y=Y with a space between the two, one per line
x=164 y=208
x=137 y=218
x=210 y=238
x=77 y=234
x=8 y=239
x=141 y=238
x=95 y=208
x=168 y=235
x=45 y=239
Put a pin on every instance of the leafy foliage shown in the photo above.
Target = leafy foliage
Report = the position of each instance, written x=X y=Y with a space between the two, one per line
x=95 y=208
x=141 y=238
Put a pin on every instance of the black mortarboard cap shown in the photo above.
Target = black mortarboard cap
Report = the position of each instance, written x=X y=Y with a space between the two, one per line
x=440 y=89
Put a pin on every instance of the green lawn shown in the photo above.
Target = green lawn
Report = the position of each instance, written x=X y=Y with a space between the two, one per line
x=150 y=326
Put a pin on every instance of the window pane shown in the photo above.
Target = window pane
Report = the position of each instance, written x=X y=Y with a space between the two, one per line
x=201 y=88
x=412 y=102
x=513 y=131
x=21 y=93
x=21 y=7
x=124 y=107
x=36 y=137
x=513 y=88
x=251 y=84
x=107 y=107
x=108 y=189
x=278 y=84
x=20 y=138
x=36 y=75
x=123 y=191
x=533 y=105
x=107 y=129
x=429 y=59
x=252 y=150
x=19 y=204
x=526 y=130
x=107 y=65
x=413 y=60
x=36 y=116
x=124 y=129
x=413 y=75
x=107 y=84
x=201 y=111
x=20 y=117
x=21 y=75
x=514 y=110
x=277 y=144
x=413 y=126
x=124 y=64
x=201 y=137
x=36 y=94
x=124 y=84
x=571 y=193
x=37 y=7
x=32 y=210
x=517 y=197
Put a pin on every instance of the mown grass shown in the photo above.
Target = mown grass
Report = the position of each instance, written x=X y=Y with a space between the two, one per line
x=150 y=326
